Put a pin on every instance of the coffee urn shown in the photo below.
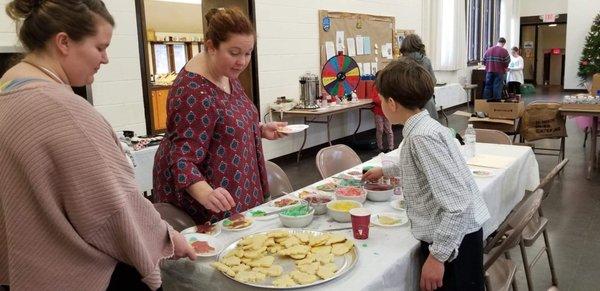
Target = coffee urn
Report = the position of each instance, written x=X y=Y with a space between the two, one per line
x=309 y=90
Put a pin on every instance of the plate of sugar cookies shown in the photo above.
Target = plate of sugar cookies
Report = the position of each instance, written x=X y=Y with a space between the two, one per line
x=287 y=258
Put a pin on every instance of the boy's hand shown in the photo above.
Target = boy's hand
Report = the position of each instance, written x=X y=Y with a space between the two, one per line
x=432 y=274
x=373 y=174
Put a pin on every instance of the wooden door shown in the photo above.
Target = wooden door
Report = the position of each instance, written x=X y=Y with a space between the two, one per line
x=159 y=109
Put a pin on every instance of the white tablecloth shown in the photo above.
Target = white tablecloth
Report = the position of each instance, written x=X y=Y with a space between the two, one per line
x=143 y=161
x=389 y=259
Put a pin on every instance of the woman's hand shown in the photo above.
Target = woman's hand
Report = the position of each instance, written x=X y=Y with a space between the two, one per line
x=373 y=174
x=217 y=200
x=181 y=248
x=270 y=130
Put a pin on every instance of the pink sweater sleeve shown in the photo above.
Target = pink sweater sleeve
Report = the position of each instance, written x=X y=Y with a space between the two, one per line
x=101 y=198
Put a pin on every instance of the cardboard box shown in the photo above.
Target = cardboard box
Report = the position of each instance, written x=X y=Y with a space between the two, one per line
x=500 y=110
x=361 y=90
x=504 y=125
x=576 y=106
x=595 y=85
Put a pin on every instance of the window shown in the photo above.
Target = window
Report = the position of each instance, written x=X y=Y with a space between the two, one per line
x=172 y=56
x=161 y=59
x=180 y=56
x=483 y=27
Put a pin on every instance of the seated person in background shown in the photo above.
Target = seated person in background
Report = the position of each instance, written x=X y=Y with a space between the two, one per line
x=381 y=124
x=443 y=202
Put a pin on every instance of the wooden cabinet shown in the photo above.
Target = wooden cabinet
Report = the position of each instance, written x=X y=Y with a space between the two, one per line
x=478 y=78
x=159 y=108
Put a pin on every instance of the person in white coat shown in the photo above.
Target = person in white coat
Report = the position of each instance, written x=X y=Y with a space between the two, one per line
x=514 y=78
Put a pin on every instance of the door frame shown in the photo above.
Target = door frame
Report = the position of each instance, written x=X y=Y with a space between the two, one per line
x=537 y=22
x=145 y=68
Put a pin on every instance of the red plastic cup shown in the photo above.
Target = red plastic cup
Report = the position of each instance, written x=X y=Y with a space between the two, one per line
x=361 y=218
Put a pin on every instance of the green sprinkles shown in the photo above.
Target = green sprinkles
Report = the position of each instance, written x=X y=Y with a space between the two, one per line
x=257 y=213
x=296 y=210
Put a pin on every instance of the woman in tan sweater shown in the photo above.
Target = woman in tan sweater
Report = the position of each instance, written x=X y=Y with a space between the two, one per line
x=71 y=215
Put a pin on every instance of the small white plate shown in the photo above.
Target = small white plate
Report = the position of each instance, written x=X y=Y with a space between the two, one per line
x=273 y=203
x=268 y=217
x=293 y=128
x=238 y=229
x=398 y=204
x=482 y=173
x=401 y=219
x=210 y=240
x=194 y=229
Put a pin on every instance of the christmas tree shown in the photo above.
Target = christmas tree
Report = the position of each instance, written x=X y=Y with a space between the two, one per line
x=589 y=64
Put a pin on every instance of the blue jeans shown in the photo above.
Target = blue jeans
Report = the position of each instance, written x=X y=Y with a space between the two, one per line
x=493 y=86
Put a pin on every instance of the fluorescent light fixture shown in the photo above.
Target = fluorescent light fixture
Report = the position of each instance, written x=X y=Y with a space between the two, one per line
x=198 y=2
x=552 y=25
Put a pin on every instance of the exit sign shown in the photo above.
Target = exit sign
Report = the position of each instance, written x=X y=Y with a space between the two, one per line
x=556 y=51
x=551 y=17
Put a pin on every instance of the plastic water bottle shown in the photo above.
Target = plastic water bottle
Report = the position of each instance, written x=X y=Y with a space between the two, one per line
x=470 y=140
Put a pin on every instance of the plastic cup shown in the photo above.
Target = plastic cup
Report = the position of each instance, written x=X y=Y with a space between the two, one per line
x=361 y=218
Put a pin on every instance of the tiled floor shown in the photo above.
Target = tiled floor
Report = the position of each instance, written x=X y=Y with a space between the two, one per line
x=573 y=207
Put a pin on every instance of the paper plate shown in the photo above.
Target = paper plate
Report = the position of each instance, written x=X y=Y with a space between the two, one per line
x=210 y=240
x=293 y=128
x=216 y=231
x=238 y=229
x=253 y=213
x=482 y=173
x=400 y=218
x=398 y=204
x=286 y=200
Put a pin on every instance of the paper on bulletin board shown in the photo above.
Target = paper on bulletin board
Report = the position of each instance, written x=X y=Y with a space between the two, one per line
x=329 y=49
x=374 y=68
x=388 y=51
x=383 y=51
x=339 y=41
x=359 y=45
x=367 y=45
x=351 y=47
x=366 y=69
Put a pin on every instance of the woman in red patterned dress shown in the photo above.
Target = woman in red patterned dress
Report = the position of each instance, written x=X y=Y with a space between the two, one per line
x=210 y=163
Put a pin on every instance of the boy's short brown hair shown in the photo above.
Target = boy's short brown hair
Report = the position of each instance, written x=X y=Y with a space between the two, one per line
x=405 y=81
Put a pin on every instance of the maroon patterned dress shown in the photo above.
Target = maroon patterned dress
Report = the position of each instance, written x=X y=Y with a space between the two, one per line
x=211 y=136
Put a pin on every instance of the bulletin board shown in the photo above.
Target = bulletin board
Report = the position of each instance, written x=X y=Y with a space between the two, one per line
x=379 y=29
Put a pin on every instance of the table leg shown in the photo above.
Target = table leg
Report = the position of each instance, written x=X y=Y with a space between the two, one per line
x=303 y=142
x=359 y=121
x=469 y=100
x=592 y=158
x=328 y=130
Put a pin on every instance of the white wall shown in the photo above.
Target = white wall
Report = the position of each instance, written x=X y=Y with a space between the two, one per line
x=8 y=36
x=173 y=17
x=541 y=7
x=285 y=54
x=580 y=16
x=117 y=90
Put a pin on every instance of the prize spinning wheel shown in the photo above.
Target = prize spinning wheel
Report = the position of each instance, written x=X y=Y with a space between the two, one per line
x=340 y=75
